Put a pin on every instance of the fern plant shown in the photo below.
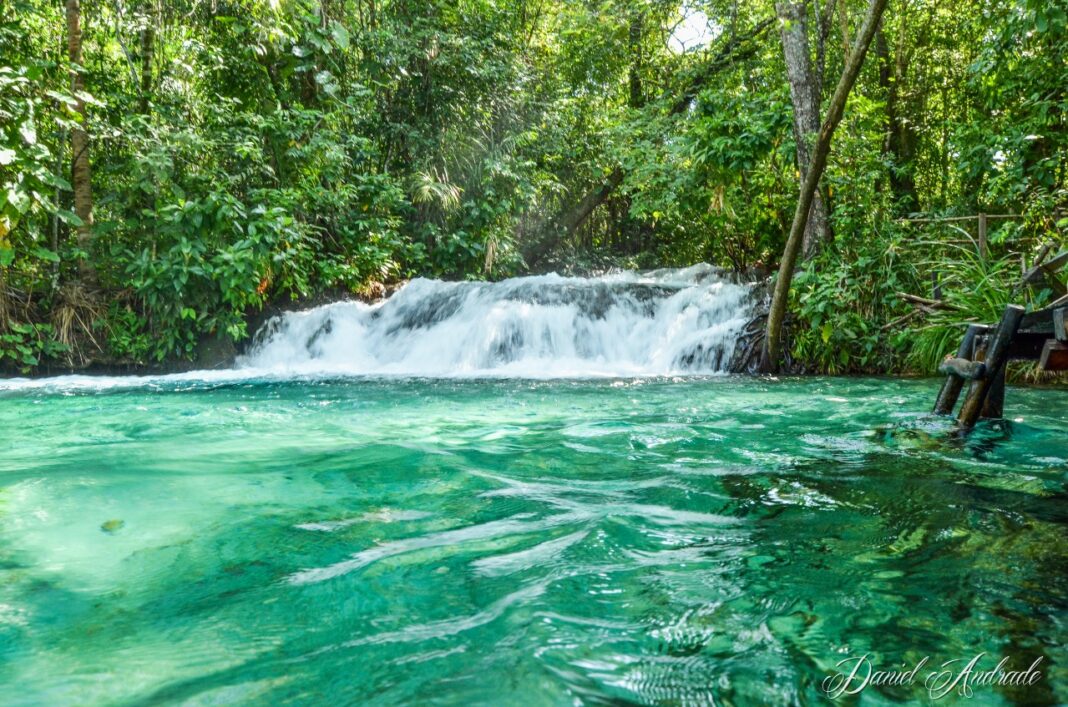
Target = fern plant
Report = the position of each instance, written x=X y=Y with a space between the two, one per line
x=975 y=290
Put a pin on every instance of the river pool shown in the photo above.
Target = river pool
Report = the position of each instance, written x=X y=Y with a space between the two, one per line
x=652 y=541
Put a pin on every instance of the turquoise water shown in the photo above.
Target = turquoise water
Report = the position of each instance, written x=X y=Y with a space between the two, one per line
x=516 y=542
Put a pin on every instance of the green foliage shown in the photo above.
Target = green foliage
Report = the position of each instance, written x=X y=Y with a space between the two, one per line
x=215 y=259
x=985 y=112
x=851 y=318
x=975 y=289
x=843 y=301
x=128 y=334
x=280 y=151
x=23 y=347
x=719 y=191
x=26 y=178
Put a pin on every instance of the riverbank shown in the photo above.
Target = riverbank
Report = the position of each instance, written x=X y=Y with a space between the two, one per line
x=218 y=351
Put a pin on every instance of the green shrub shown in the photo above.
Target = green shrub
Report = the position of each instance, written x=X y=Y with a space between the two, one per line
x=25 y=346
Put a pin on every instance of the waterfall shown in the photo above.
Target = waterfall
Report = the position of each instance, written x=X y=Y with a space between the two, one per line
x=654 y=323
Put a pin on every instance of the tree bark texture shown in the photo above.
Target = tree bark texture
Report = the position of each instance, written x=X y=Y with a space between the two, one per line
x=805 y=97
x=81 y=176
x=148 y=46
x=901 y=139
x=769 y=360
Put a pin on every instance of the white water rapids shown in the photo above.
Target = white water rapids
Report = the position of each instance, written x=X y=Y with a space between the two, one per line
x=664 y=322
x=658 y=323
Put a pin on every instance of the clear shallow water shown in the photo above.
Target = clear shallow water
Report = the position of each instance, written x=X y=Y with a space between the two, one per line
x=456 y=542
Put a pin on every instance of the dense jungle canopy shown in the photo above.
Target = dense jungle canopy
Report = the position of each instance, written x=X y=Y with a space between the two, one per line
x=171 y=168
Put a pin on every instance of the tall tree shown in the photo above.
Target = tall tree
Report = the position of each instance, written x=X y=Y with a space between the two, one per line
x=805 y=97
x=901 y=138
x=769 y=360
x=81 y=175
x=148 y=44
x=634 y=78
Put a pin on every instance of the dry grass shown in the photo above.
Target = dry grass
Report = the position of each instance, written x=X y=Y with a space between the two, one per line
x=5 y=308
x=76 y=309
x=1028 y=373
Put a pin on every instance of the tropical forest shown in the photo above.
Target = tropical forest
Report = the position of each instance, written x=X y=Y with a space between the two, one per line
x=170 y=171
x=533 y=352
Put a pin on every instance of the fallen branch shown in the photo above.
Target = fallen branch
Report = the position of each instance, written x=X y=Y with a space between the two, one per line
x=929 y=304
x=900 y=320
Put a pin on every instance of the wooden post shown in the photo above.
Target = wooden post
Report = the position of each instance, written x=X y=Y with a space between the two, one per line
x=996 y=355
x=995 y=399
x=982 y=236
x=1054 y=356
x=947 y=397
x=979 y=353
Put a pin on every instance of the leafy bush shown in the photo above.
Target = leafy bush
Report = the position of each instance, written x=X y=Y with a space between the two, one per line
x=845 y=303
x=216 y=259
x=975 y=289
x=26 y=346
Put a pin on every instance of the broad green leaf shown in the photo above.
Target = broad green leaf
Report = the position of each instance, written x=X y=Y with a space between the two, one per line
x=69 y=217
x=54 y=180
x=89 y=98
x=64 y=98
x=340 y=36
x=28 y=132
x=19 y=199
x=46 y=254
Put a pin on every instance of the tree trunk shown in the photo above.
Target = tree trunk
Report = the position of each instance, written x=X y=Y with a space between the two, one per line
x=900 y=143
x=635 y=76
x=824 y=15
x=58 y=171
x=5 y=316
x=805 y=97
x=769 y=360
x=148 y=48
x=570 y=221
x=148 y=41
x=79 y=140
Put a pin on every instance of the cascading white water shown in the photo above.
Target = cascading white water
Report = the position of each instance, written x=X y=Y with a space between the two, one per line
x=657 y=323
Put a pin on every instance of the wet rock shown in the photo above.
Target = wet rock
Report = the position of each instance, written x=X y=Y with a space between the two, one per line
x=216 y=351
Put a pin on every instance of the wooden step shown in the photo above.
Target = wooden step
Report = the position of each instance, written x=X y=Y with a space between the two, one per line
x=1054 y=356
x=962 y=368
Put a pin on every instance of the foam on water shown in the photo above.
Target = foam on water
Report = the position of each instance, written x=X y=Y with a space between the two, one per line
x=628 y=324
x=658 y=323
x=663 y=322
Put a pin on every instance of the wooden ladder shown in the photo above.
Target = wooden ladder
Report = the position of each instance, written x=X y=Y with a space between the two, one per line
x=984 y=352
